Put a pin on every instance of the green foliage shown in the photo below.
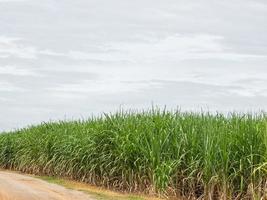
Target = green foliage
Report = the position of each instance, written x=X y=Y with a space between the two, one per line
x=170 y=153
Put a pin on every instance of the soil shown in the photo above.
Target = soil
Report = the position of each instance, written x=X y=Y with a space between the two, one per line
x=15 y=186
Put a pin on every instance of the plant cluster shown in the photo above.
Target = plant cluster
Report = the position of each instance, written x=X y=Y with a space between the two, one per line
x=171 y=153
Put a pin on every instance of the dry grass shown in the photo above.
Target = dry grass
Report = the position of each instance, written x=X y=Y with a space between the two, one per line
x=97 y=192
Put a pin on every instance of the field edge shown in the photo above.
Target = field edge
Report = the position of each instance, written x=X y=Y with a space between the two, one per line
x=99 y=193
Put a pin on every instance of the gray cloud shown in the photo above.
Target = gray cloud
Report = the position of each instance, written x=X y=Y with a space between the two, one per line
x=74 y=58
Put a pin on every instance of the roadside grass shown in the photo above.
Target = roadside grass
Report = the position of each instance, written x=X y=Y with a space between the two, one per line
x=159 y=152
x=95 y=192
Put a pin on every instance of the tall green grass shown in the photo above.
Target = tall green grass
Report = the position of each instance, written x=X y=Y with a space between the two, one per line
x=195 y=155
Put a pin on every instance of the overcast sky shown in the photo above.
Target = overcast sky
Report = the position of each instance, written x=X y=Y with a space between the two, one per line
x=62 y=59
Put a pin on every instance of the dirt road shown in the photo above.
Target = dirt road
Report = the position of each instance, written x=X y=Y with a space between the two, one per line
x=15 y=186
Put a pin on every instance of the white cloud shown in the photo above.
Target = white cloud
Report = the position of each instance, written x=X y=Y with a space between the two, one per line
x=79 y=55
x=49 y=52
x=172 y=48
x=10 y=1
x=2 y=99
x=12 y=47
x=103 y=87
x=17 y=71
x=8 y=87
